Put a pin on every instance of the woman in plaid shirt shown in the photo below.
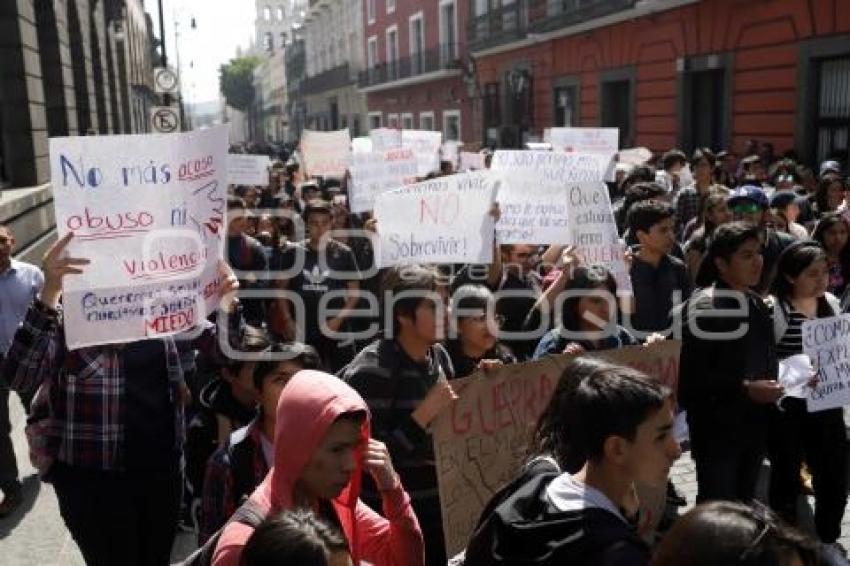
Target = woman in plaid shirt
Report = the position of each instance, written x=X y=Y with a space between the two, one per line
x=107 y=424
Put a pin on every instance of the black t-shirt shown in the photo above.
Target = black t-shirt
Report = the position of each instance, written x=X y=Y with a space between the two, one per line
x=315 y=280
x=465 y=365
x=148 y=408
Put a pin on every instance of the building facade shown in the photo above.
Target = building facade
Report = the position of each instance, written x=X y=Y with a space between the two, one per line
x=68 y=68
x=418 y=74
x=684 y=73
x=295 y=68
x=333 y=36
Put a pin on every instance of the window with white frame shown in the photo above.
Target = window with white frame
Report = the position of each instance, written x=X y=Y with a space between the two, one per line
x=407 y=121
x=392 y=121
x=372 y=53
x=417 y=43
x=448 y=32
x=392 y=52
x=451 y=125
x=426 y=121
x=375 y=120
x=370 y=11
x=390 y=6
x=280 y=14
x=267 y=13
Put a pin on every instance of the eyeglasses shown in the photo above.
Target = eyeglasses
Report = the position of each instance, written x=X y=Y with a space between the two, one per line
x=498 y=319
x=746 y=208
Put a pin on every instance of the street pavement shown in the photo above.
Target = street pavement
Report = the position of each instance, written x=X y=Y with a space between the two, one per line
x=36 y=536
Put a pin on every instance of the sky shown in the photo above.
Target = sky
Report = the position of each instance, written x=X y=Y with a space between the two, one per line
x=221 y=27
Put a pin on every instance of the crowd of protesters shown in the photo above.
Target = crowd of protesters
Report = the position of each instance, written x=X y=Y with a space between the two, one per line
x=305 y=448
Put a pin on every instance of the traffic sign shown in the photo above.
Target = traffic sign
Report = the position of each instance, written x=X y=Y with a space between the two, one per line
x=165 y=119
x=165 y=80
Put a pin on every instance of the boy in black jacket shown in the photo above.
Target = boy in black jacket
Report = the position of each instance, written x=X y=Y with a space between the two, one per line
x=620 y=423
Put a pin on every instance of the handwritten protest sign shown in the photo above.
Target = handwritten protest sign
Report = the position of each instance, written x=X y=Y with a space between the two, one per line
x=426 y=145
x=471 y=161
x=377 y=172
x=385 y=138
x=361 y=145
x=443 y=220
x=450 y=152
x=482 y=439
x=602 y=141
x=148 y=211
x=827 y=342
x=326 y=154
x=247 y=169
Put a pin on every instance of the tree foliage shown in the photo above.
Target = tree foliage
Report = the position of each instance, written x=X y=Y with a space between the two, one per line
x=236 y=82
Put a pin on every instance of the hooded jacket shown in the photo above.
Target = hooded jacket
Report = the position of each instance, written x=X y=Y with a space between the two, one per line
x=308 y=406
x=550 y=520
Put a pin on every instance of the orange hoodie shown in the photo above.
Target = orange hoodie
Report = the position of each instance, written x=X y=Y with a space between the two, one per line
x=308 y=406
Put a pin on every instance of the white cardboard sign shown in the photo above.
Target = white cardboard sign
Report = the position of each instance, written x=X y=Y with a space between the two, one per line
x=827 y=342
x=385 y=138
x=377 y=172
x=148 y=211
x=426 y=145
x=604 y=141
x=444 y=220
x=248 y=169
x=326 y=154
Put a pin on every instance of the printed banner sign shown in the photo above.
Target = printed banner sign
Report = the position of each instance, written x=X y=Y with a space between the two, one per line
x=827 y=342
x=326 y=154
x=444 y=220
x=426 y=145
x=149 y=212
x=248 y=169
x=481 y=440
x=377 y=172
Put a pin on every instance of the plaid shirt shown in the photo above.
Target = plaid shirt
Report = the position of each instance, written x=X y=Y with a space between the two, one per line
x=223 y=492
x=687 y=206
x=77 y=415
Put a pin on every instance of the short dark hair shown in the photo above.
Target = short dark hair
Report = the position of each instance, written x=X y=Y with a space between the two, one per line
x=644 y=215
x=725 y=532
x=296 y=536
x=593 y=401
x=234 y=202
x=822 y=192
x=724 y=243
x=470 y=297
x=317 y=206
x=703 y=153
x=672 y=157
x=252 y=340
x=303 y=355
x=640 y=174
x=414 y=279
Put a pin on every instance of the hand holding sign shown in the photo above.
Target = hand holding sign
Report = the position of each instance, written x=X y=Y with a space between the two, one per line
x=57 y=264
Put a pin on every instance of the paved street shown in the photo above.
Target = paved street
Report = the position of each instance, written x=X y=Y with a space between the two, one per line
x=36 y=536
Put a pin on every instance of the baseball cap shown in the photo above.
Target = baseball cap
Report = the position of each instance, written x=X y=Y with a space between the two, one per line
x=781 y=199
x=750 y=193
x=830 y=166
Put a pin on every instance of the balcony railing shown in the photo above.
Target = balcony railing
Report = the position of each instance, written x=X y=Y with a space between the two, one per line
x=514 y=21
x=445 y=57
x=330 y=79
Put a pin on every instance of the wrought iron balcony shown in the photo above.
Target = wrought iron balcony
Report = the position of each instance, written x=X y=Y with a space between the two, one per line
x=445 y=57
x=333 y=78
x=512 y=22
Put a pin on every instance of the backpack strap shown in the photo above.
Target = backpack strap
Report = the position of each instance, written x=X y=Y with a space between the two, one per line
x=249 y=513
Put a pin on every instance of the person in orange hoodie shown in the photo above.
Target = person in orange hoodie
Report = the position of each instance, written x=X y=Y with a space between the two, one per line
x=321 y=446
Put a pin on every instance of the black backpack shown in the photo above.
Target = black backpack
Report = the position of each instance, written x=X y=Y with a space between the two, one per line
x=249 y=513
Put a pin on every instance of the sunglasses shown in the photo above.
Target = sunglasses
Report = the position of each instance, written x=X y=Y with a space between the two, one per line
x=746 y=208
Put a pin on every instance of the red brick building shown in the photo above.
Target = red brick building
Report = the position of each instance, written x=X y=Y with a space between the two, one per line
x=669 y=73
x=416 y=75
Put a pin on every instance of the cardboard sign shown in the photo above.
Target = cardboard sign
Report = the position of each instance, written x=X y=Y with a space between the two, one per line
x=445 y=220
x=385 y=138
x=377 y=172
x=361 y=145
x=149 y=212
x=602 y=141
x=481 y=441
x=827 y=342
x=426 y=145
x=247 y=169
x=471 y=161
x=533 y=197
x=450 y=152
x=326 y=154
